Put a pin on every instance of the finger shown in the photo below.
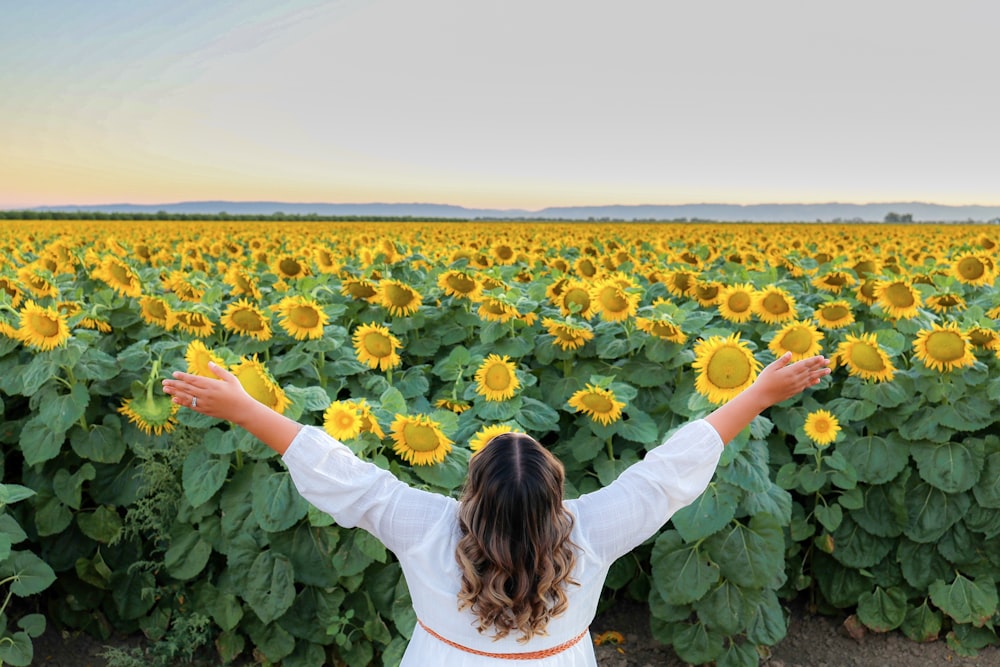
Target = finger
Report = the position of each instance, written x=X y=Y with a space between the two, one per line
x=220 y=372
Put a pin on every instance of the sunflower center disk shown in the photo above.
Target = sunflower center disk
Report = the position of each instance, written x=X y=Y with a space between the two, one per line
x=899 y=295
x=728 y=368
x=597 y=403
x=775 y=304
x=739 y=302
x=945 y=346
x=304 y=317
x=44 y=326
x=377 y=345
x=797 y=340
x=867 y=358
x=421 y=438
x=971 y=268
x=497 y=378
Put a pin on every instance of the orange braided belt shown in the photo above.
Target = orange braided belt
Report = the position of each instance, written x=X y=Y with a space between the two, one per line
x=531 y=655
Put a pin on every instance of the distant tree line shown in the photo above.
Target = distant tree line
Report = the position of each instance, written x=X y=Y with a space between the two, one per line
x=201 y=217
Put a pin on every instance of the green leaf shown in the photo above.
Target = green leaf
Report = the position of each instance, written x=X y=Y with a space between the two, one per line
x=726 y=609
x=133 y=591
x=932 y=511
x=39 y=441
x=11 y=530
x=696 y=644
x=102 y=525
x=101 y=443
x=202 y=475
x=33 y=624
x=226 y=610
x=61 y=411
x=270 y=588
x=536 y=417
x=750 y=555
x=876 y=460
x=987 y=489
x=69 y=487
x=42 y=368
x=637 y=426
x=681 y=572
x=312 y=398
x=97 y=365
x=856 y=547
x=30 y=573
x=950 y=466
x=310 y=550
x=13 y=493
x=971 y=413
x=884 y=510
x=767 y=624
x=882 y=609
x=921 y=563
x=747 y=469
x=17 y=650
x=187 y=554
x=276 y=503
x=830 y=516
x=922 y=624
x=966 y=600
x=51 y=515
x=271 y=640
x=841 y=586
x=739 y=655
x=709 y=513
x=230 y=644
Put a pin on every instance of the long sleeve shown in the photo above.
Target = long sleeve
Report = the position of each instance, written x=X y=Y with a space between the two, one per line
x=358 y=493
x=628 y=511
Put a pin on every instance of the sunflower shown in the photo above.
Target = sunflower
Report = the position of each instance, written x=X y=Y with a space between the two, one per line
x=342 y=420
x=258 y=382
x=419 y=440
x=972 y=269
x=585 y=267
x=153 y=415
x=773 y=305
x=496 y=379
x=325 y=260
x=866 y=291
x=598 y=403
x=155 y=310
x=369 y=424
x=198 y=357
x=96 y=324
x=725 y=366
x=567 y=335
x=359 y=289
x=241 y=282
x=493 y=309
x=37 y=283
x=707 y=292
x=485 y=435
x=944 y=348
x=42 y=328
x=375 y=346
x=800 y=338
x=822 y=427
x=452 y=405
x=983 y=338
x=179 y=283
x=736 y=302
x=119 y=276
x=898 y=299
x=613 y=302
x=398 y=298
x=460 y=284
x=834 y=314
x=191 y=322
x=301 y=317
x=833 y=281
x=865 y=358
x=947 y=302
x=503 y=254
x=661 y=327
x=11 y=289
x=290 y=267
x=574 y=299
x=246 y=319
x=681 y=282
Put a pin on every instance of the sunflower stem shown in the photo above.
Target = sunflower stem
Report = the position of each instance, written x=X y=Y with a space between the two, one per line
x=611 y=450
x=567 y=367
x=239 y=459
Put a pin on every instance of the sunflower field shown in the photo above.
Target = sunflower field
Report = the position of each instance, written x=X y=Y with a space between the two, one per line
x=876 y=493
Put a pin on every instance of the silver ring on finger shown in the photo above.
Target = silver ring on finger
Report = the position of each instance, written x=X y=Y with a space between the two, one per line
x=194 y=402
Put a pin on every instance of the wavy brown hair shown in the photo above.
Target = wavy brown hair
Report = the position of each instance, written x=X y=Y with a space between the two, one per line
x=515 y=552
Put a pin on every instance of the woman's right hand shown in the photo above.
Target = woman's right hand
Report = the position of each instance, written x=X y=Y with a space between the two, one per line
x=224 y=397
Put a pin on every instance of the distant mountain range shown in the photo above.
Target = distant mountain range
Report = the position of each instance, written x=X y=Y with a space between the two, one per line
x=831 y=212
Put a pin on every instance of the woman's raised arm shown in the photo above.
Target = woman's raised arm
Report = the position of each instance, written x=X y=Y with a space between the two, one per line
x=780 y=380
x=225 y=398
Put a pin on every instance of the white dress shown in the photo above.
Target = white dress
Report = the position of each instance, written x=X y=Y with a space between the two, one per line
x=421 y=529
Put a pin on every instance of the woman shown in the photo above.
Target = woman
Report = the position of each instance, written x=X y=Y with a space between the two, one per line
x=510 y=572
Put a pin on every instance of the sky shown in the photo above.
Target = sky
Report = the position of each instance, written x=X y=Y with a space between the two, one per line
x=520 y=104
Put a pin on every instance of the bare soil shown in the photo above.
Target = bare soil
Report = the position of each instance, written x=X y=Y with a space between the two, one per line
x=812 y=641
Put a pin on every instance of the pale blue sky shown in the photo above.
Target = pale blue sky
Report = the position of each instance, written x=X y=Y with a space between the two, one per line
x=514 y=104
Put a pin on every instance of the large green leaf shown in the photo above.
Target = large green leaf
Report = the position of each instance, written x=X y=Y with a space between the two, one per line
x=133 y=591
x=102 y=443
x=187 y=554
x=727 y=609
x=950 y=466
x=270 y=586
x=966 y=600
x=884 y=511
x=537 y=417
x=922 y=624
x=39 y=441
x=750 y=555
x=876 y=460
x=767 y=624
x=987 y=489
x=921 y=563
x=42 y=368
x=840 y=585
x=68 y=486
x=882 y=609
x=29 y=574
x=931 y=511
x=856 y=547
x=17 y=650
x=709 y=513
x=747 y=468
x=310 y=551
x=61 y=411
x=203 y=474
x=277 y=504
x=682 y=573
x=102 y=525
x=696 y=644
